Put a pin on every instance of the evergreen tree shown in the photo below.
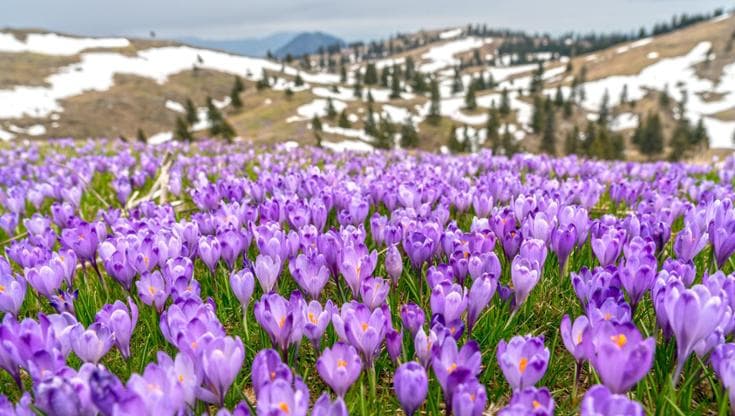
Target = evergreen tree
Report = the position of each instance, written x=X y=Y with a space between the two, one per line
x=559 y=97
x=453 y=144
x=288 y=92
x=538 y=115
x=409 y=136
x=410 y=69
x=508 y=142
x=700 y=136
x=663 y=98
x=385 y=77
x=457 y=84
x=298 y=81
x=548 y=140
x=466 y=140
x=330 y=110
x=384 y=139
x=651 y=140
x=181 y=130
x=568 y=109
x=571 y=141
x=537 y=79
x=624 y=95
x=141 y=137
x=263 y=82
x=192 y=116
x=235 y=98
x=238 y=85
x=371 y=74
x=470 y=101
x=226 y=131
x=343 y=74
x=371 y=127
x=395 y=86
x=492 y=134
x=604 y=113
x=480 y=82
x=435 y=106
x=316 y=127
x=504 y=103
x=419 y=83
x=344 y=121
x=490 y=84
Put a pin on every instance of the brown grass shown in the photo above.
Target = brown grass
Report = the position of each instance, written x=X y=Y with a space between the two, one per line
x=30 y=69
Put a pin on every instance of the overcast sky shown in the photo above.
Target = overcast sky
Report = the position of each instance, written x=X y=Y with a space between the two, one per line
x=350 y=19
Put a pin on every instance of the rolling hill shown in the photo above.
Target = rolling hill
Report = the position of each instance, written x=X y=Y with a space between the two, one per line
x=55 y=85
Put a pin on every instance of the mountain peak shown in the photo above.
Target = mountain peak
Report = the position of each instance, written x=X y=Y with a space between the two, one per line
x=308 y=43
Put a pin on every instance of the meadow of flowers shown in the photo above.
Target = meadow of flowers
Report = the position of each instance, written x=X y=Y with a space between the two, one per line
x=232 y=279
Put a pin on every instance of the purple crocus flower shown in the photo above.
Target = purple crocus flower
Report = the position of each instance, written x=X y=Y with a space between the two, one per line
x=524 y=274
x=469 y=398
x=689 y=242
x=45 y=280
x=310 y=273
x=411 y=386
x=152 y=290
x=530 y=401
x=481 y=293
x=281 y=319
x=447 y=359
x=693 y=315
x=563 y=239
x=449 y=300
x=374 y=291
x=121 y=322
x=267 y=367
x=281 y=398
x=12 y=293
x=317 y=320
x=523 y=360
x=91 y=344
x=221 y=362
x=393 y=263
x=325 y=407
x=419 y=248
x=357 y=265
x=599 y=401
x=242 y=284
x=608 y=246
x=394 y=343
x=63 y=396
x=209 y=251
x=412 y=316
x=339 y=367
x=722 y=238
x=572 y=335
x=618 y=353
x=81 y=238
x=364 y=329
x=267 y=269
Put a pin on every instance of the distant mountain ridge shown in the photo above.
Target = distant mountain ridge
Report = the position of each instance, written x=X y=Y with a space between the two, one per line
x=257 y=47
x=308 y=43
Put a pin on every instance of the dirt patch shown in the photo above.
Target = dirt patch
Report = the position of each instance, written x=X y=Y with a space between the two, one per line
x=30 y=69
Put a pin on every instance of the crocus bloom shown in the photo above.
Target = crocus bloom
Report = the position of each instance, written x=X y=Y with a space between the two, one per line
x=599 y=401
x=152 y=290
x=365 y=330
x=607 y=247
x=571 y=335
x=82 y=239
x=447 y=359
x=563 y=240
x=317 y=320
x=356 y=265
x=281 y=398
x=310 y=273
x=411 y=386
x=530 y=401
x=449 y=300
x=618 y=353
x=374 y=291
x=93 y=343
x=523 y=360
x=393 y=263
x=722 y=237
x=693 y=315
x=267 y=367
x=339 y=367
x=412 y=317
x=469 y=399
x=121 y=322
x=242 y=283
x=267 y=269
x=221 y=362
x=12 y=293
x=325 y=407
x=209 y=251
x=525 y=275
x=481 y=293
x=44 y=280
x=394 y=343
x=281 y=319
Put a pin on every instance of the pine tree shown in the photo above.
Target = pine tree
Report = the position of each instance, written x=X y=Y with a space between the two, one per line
x=330 y=110
x=385 y=77
x=192 y=116
x=507 y=140
x=663 y=98
x=288 y=92
x=298 y=81
x=490 y=84
x=343 y=74
x=537 y=79
x=141 y=137
x=181 y=130
x=699 y=135
x=371 y=74
x=492 y=135
x=466 y=140
x=419 y=83
x=238 y=85
x=226 y=131
x=235 y=98
x=409 y=136
x=571 y=141
x=384 y=137
x=395 y=86
x=651 y=141
x=453 y=144
x=470 y=101
x=504 y=103
x=538 y=115
x=568 y=109
x=548 y=140
x=371 y=128
x=263 y=82
x=624 y=95
x=559 y=97
x=435 y=106
x=457 y=84
x=344 y=121
x=316 y=127
x=410 y=69
x=604 y=113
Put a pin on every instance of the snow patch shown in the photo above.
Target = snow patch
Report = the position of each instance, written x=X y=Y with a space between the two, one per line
x=443 y=56
x=53 y=44
x=449 y=34
x=162 y=137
